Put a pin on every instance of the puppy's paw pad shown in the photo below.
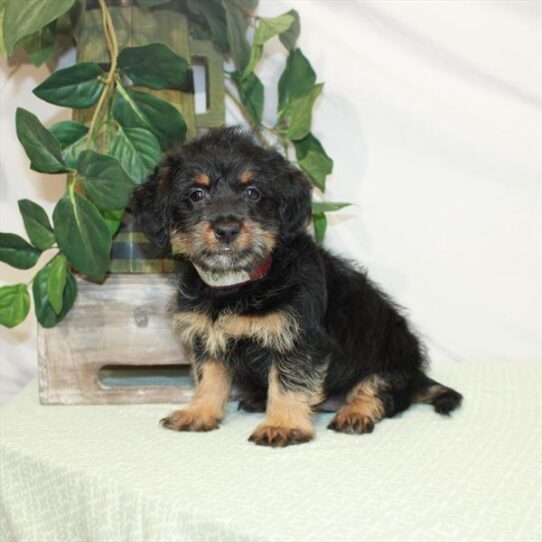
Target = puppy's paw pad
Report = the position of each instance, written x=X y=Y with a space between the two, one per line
x=352 y=422
x=187 y=420
x=276 y=436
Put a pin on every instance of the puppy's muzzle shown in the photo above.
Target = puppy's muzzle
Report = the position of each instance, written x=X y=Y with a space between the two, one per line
x=227 y=231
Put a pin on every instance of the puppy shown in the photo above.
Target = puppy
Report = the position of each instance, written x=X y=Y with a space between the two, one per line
x=262 y=306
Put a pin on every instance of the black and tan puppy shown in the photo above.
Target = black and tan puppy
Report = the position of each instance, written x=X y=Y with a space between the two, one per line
x=262 y=306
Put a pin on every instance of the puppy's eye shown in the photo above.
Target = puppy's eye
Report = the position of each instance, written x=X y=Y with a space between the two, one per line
x=197 y=195
x=252 y=193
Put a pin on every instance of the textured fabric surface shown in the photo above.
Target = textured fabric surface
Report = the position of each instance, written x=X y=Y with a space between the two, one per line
x=111 y=473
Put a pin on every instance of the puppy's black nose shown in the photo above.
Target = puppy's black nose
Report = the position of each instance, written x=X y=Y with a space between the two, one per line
x=227 y=231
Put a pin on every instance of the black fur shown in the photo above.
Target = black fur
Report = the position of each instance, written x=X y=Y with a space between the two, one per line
x=348 y=329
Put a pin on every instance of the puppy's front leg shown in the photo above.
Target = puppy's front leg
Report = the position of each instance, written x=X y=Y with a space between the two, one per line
x=288 y=413
x=213 y=382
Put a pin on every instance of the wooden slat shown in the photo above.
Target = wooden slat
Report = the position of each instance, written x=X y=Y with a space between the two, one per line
x=124 y=321
x=214 y=75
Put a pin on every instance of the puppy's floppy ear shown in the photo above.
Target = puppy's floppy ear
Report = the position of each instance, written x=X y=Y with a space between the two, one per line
x=151 y=207
x=295 y=207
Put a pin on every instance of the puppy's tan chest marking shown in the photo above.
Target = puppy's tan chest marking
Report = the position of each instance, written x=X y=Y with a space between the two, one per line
x=275 y=330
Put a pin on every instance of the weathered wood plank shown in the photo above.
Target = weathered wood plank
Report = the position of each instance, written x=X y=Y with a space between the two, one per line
x=214 y=76
x=124 y=321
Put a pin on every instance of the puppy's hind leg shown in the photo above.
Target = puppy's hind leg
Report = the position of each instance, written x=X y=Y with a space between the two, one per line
x=208 y=405
x=364 y=407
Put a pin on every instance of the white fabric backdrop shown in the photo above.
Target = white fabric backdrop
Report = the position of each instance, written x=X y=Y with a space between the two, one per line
x=432 y=113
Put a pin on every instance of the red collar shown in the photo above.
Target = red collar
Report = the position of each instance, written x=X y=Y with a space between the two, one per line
x=261 y=270
x=234 y=279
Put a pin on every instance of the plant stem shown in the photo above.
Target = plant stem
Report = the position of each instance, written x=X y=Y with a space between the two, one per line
x=246 y=12
x=108 y=41
x=113 y=48
x=254 y=126
x=238 y=104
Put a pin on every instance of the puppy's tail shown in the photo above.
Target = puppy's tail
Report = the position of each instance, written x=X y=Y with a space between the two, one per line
x=443 y=399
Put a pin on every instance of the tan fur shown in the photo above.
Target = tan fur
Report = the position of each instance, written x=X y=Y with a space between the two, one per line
x=208 y=406
x=288 y=415
x=264 y=237
x=202 y=237
x=244 y=241
x=428 y=394
x=207 y=234
x=365 y=397
x=363 y=407
x=246 y=177
x=194 y=241
x=202 y=180
x=276 y=330
x=180 y=243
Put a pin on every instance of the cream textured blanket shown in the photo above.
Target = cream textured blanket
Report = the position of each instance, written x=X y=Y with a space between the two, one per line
x=111 y=473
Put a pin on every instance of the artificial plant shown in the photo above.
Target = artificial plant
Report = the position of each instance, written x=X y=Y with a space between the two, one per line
x=129 y=129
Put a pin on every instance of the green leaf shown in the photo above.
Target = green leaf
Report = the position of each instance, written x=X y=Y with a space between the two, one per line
x=138 y=152
x=67 y=132
x=248 y=6
x=2 y=9
x=72 y=138
x=251 y=93
x=319 y=223
x=298 y=114
x=327 y=206
x=270 y=27
x=290 y=36
x=82 y=235
x=56 y=280
x=14 y=304
x=237 y=29
x=113 y=219
x=154 y=66
x=313 y=160
x=15 y=251
x=297 y=79
x=43 y=307
x=215 y=17
x=151 y=3
x=39 y=144
x=40 y=45
x=77 y=86
x=104 y=180
x=266 y=29
x=37 y=225
x=135 y=109
x=24 y=18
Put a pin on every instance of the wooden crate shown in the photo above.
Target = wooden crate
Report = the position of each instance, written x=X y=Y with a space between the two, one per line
x=124 y=322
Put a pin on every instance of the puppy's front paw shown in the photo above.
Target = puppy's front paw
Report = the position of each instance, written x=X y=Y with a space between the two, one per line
x=273 y=435
x=190 y=420
x=349 y=421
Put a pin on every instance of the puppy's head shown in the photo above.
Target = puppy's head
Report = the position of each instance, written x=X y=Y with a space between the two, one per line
x=223 y=201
